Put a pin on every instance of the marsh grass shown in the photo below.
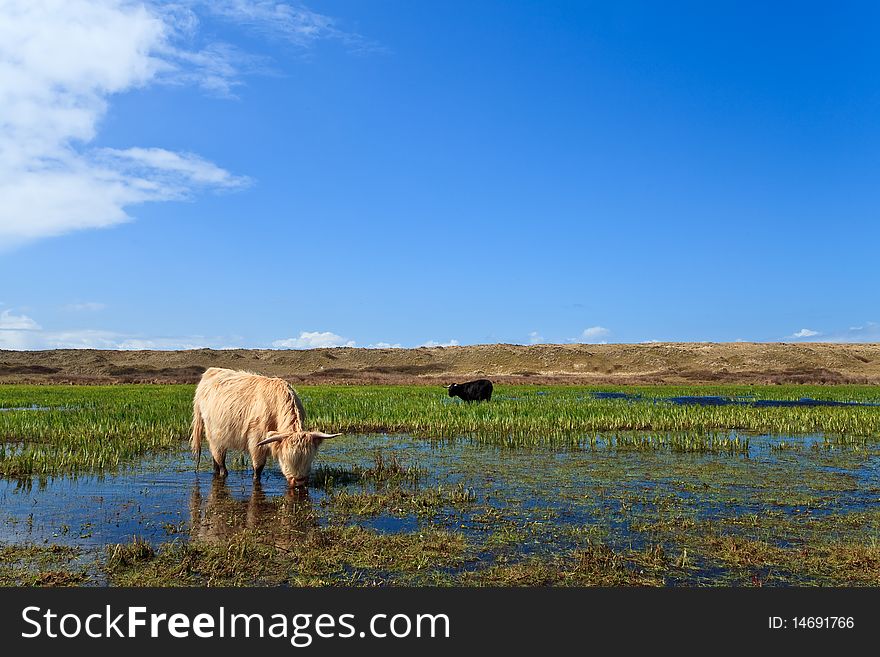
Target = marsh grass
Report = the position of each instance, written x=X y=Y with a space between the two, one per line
x=104 y=428
x=643 y=493
x=523 y=416
x=88 y=429
x=350 y=556
x=397 y=501
x=126 y=554
x=632 y=519
x=40 y=565
x=593 y=565
x=386 y=469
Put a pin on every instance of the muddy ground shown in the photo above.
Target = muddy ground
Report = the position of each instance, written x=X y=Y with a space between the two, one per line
x=669 y=363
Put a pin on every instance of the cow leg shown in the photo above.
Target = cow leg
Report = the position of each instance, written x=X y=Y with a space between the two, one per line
x=220 y=468
x=219 y=456
x=258 y=458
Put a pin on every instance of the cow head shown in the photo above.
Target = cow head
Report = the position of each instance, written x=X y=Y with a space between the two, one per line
x=453 y=389
x=295 y=451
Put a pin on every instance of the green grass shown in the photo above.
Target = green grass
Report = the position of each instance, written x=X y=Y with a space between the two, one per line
x=349 y=556
x=40 y=565
x=88 y=429
x=385 y=470
x=98 y=428
x=519 y=416
x=736 y=552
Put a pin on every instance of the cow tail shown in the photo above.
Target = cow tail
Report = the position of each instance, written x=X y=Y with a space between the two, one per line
x=196 y=440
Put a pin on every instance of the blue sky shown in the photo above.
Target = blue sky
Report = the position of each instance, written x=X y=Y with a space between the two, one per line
x=257 y=174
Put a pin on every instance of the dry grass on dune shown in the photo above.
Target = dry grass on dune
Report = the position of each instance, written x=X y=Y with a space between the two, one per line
x=670 y=363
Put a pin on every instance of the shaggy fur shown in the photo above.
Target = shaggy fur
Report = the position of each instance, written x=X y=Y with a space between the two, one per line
x=237 y=410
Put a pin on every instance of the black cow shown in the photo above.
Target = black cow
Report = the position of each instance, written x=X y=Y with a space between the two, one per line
x=479 y=390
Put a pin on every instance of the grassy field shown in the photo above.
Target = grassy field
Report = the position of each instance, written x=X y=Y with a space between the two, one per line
x=73 y=429
x=545 y=485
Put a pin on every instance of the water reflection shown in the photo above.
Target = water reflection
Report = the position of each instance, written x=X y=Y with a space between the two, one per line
x=219 y=517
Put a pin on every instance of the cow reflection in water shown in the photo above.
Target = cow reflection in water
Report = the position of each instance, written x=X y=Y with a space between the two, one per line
x=280 y=520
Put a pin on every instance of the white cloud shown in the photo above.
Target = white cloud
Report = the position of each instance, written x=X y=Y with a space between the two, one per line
x=294 y=23
x=10 y=322
x=594 y=333
x=867 y=332
x=172 y=343
x=313 y=340
x=88 y=306
x=61 y=64
x=535 y=338
x=98 y=339
x=20 y=332
x=216 y=69
x=175 y=172
x=61 y=61
x=433 y=343
x=385 y=345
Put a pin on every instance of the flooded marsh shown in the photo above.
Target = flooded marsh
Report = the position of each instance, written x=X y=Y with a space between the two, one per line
x=99 y=489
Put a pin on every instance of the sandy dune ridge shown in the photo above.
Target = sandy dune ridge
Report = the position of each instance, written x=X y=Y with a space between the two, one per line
x=740 y=362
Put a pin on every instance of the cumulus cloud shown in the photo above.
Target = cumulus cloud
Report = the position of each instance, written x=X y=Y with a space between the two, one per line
x=434 y=343
x=594 y=334
x=61 y=61
x=385 y=345
x=61 y=64
x=535 y=338
x=805 y=333
x=313 y=340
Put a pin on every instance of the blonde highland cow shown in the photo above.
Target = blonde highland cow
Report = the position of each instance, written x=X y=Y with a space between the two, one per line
x=258 y=414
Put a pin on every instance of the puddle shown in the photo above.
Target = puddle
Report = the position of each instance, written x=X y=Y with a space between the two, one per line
x=713 y=400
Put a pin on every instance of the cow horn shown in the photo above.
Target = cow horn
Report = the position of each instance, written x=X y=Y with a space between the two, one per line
x=273 y=439
x=325 y=436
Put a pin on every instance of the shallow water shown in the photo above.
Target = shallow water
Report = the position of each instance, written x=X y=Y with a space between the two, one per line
x=715 y=400
x=152 y=501
x=550 y=496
